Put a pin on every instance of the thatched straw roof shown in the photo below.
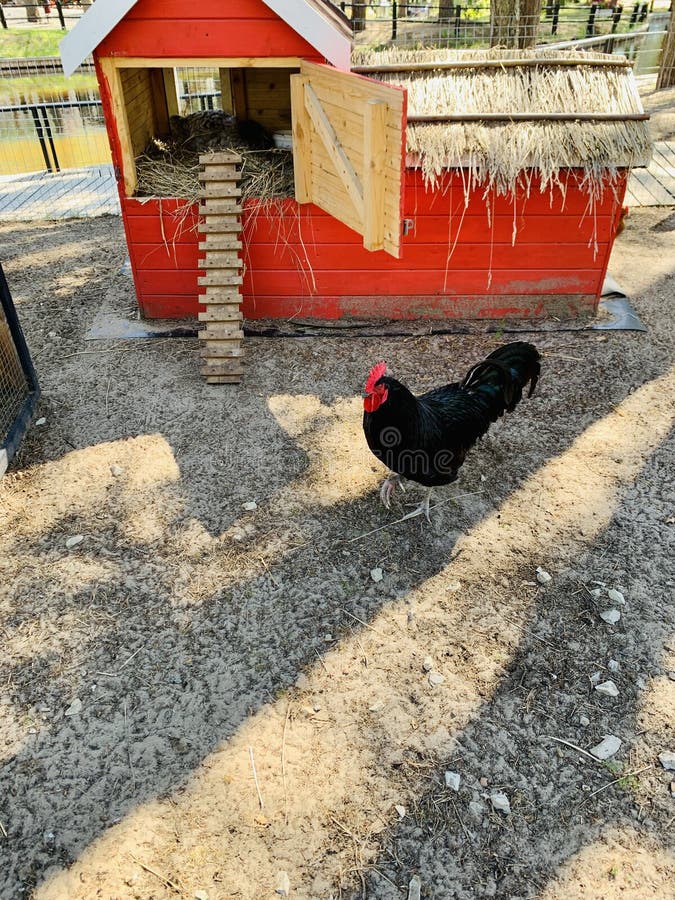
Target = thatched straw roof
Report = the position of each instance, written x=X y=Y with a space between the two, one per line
x=498 y=153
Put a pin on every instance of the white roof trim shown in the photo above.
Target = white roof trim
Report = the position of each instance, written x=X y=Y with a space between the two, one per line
x=100 y=19
x=96 y=24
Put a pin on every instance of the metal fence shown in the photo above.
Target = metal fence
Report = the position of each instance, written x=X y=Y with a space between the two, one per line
x=19 y=389
x=469 y=24
x=62 y=14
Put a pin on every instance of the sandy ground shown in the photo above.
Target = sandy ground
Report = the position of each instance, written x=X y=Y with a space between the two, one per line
x=188 y=648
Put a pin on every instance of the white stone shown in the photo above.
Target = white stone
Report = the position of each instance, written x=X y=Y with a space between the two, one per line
x=75 y=708
x=455 y=586
x=616 y=596
x=116 y=470
x=613 y=665
x=415 y=888
x=596 y=593
x=41 y=421
x=667 y=759
x=584 y=721
x=250 y=506
x=476 y=809
x=608 y=688
x=435 y=678
x=542 y=576
x=452 y=780
x=377 y=706
x=400 y=810
x=201 y=895
x=427 y=664
x=283 y=884
x=607 y=747
x=500 y=802
x=611 y=616
x=74 y=541
x=376 y=574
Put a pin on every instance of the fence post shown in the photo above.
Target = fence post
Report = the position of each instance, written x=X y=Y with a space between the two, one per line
x=59 y=9
x=556 y=16
x=644 y=12
x=3 y=20
x=41 y=137
x=394 y=20
x=50 y=138
x=634 y=15
x=590 y=27
x=616 y=18
x=458 y=16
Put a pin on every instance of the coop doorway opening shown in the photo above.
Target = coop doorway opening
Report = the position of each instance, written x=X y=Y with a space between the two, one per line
x=175 y=115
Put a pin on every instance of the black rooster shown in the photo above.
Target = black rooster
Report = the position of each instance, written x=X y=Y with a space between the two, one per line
x=426 y=438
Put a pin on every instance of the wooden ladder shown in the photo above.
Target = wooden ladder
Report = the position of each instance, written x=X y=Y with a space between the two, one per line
x=221 y=350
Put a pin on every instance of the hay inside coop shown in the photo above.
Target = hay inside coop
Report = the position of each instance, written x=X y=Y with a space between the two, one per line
x=174 y=115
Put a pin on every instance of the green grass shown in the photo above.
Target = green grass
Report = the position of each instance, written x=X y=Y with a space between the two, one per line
x=40 y=88
x=25 y=42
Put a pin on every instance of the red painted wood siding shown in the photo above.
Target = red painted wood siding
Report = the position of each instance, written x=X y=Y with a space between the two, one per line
x=300 y=261
x=209 y=28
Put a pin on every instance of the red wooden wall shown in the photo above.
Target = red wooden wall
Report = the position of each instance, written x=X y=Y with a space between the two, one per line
x=455 y=261
x=216 y=28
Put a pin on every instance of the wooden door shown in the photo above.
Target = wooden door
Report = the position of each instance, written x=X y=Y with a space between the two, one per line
x=349 y=151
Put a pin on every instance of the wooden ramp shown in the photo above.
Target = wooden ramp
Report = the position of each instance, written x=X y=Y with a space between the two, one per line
x=654 y=185
x=220 y=194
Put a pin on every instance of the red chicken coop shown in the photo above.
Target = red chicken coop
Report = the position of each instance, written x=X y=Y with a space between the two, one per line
x=374 y=184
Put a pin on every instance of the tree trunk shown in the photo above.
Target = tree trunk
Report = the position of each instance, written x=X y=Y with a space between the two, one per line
x=514 y=23
x=667 y=68
x=358 y=16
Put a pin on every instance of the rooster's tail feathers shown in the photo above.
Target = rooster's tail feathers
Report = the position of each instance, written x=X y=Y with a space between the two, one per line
x=507 y=369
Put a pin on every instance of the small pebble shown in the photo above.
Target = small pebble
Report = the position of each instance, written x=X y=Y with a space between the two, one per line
x=75 y=708
x=328 y=638
x=428 y=664
x=613 y=665
x=201 y=895
x=74 y=541
x=435 y=678
x=542 y=576
x=608 y=688
x=596 y=593
x=415 y=888
x=584 y=721
x=250 y=506
x=672 y=788
x=455 y=586
x=476 y=809
x=607 y=747
x=671 y=674
x=500 y=802
x=377 y=706
x=667 y=759
x=400 y=810
x=616 y=596
x=376 y=574
x=452 y=780
x=283 y=884
x=595 y=677
x=116 y=470
x=41 y=421
x=611 y=616
x=484 y=782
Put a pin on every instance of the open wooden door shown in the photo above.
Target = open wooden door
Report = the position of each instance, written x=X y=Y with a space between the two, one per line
x=349 y=151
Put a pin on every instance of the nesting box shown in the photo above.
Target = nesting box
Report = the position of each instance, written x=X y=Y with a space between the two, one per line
x=427 y=184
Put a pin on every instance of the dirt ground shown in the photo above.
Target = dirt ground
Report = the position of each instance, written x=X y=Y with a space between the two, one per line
x=207 y=701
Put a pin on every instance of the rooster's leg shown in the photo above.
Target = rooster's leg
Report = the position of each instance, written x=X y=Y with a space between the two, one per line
x=422 y=509
x=391 y=482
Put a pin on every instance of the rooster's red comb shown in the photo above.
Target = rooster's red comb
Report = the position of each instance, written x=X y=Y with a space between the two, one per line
x=378 y=370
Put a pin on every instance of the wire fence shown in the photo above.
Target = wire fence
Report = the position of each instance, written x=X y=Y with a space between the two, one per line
x=62 y=14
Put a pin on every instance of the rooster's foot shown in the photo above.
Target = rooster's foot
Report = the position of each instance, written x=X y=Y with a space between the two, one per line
x=422 y=509
x=391 y=482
